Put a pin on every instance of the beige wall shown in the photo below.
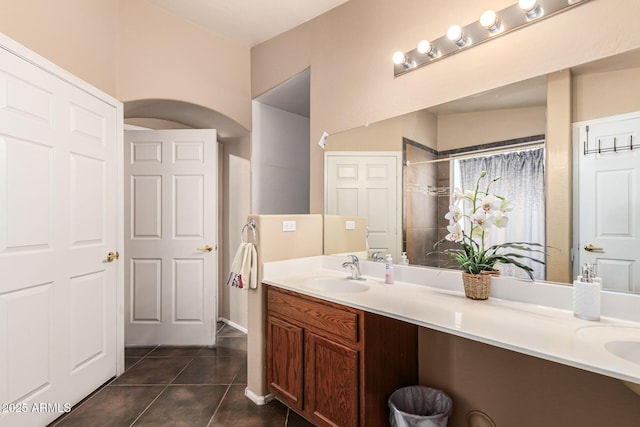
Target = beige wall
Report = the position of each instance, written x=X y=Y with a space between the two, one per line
x=519 y=390
x=382 y=136
x=133 y=50
x=164 y=57
x=349 y=51
x=386 y=135
x=469 y=129
x=605 y=94
x=559 y=178
x=78 y=35
x=339 y=240
x=275 y=245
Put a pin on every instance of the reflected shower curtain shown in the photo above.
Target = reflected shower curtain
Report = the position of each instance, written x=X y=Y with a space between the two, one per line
x=522 y=182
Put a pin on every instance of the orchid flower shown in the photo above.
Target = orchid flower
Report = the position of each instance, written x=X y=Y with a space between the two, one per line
x=491 y=203
x=454 y=214
x=482 y=220
x=500 y=220
x=455 y=233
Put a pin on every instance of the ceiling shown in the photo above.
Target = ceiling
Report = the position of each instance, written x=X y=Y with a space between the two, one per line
x=248 y=22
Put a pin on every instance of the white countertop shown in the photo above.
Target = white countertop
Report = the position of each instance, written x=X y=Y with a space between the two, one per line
x=536 y=329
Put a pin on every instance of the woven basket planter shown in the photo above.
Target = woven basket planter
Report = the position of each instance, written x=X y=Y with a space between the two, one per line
x=476 y=286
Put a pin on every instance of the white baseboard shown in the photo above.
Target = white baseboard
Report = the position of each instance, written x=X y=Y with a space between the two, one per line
x=233 y=324
x=258 y=400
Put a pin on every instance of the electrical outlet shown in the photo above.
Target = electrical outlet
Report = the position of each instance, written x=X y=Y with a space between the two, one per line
x=350 y=225
x=288 y=226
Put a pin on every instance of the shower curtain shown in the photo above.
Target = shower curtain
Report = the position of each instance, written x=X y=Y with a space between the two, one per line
x=522 y=182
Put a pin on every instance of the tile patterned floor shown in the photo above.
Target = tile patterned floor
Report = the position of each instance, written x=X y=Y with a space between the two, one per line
x=181 y=387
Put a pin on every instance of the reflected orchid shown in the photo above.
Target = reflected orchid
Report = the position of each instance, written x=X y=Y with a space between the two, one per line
x=486 y=210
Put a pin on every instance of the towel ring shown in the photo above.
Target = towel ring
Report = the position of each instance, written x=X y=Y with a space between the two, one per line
x=252 y=225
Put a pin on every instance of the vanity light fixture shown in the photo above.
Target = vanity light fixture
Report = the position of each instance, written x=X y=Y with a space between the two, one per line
x=491 y=24
x=531 y=8
x=456 y=35
x=490 y=20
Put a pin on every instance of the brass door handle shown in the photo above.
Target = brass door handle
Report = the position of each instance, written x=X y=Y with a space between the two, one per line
x=590 y=248
x=206 y=248
x=113 y=256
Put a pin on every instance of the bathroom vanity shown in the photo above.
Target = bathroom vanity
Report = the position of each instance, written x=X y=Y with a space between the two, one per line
x=320 y=324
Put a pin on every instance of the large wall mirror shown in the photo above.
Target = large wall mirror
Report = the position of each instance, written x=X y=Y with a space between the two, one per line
x=431 y=151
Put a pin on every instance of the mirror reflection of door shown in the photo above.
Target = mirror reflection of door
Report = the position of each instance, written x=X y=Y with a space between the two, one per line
x=366 y=184
x=609 y=202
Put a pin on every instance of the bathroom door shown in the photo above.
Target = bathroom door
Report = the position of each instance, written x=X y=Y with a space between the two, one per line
x=170 y=237
x=59 y=215
x=609 y=202
x=367 y=184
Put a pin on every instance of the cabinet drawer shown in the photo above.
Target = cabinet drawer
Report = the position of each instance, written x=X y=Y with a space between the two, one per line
x=314 y=315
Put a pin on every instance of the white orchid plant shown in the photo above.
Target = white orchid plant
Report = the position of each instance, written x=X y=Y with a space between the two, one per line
x=485 y=211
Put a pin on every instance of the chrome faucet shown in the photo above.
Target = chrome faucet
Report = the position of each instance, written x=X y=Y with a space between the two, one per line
x=376 y=257
x=354 y=264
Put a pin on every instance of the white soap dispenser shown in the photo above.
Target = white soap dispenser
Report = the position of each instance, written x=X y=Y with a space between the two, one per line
x=403 y=259
x=388 y=270
x=586 y=294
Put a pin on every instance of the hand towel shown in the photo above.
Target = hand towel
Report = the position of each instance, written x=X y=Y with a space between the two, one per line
x=244 y=268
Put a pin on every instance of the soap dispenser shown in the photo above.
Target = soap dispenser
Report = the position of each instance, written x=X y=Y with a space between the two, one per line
x=403 y=259
x=586 y=294
x=388 y=270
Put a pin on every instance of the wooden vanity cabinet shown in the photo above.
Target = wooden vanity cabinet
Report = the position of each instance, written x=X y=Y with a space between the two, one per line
x=333 y=364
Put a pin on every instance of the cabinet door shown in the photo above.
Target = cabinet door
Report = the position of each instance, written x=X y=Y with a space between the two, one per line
x=284 y=361
x=331 y=372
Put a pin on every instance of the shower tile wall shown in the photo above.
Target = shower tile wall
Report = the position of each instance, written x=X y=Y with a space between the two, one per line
x=444 y=181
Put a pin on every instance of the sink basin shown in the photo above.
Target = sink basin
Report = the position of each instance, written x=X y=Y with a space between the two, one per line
x=628 y=350
x=335 y=285
x=619 y=341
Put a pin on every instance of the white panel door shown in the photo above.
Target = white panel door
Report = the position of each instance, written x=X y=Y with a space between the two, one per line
x=58 y=221
x=366 y=185
x=609 y=203
x=170 y=222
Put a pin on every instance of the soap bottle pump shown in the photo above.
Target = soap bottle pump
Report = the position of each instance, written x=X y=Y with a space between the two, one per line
x=388 y=270
x=586 y=294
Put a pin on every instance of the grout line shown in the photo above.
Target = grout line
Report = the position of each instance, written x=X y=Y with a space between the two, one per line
x=160 y=394
x=181 y=371
x=148 y=406
x=219 y=405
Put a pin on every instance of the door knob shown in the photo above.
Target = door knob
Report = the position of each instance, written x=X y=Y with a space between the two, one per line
x=206 y=248
x=590 y=248
x=113 y=256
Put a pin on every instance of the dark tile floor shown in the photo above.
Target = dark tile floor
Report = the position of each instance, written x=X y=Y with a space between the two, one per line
x=181 y=386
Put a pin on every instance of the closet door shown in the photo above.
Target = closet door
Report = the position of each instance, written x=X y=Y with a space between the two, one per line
x=58 y=222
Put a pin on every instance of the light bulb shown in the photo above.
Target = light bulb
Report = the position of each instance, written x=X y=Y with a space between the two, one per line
x=527 y=5
x=424 y=46
x=488 y=19
x=531 y=8
x=454 y=33
x=399 y=58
